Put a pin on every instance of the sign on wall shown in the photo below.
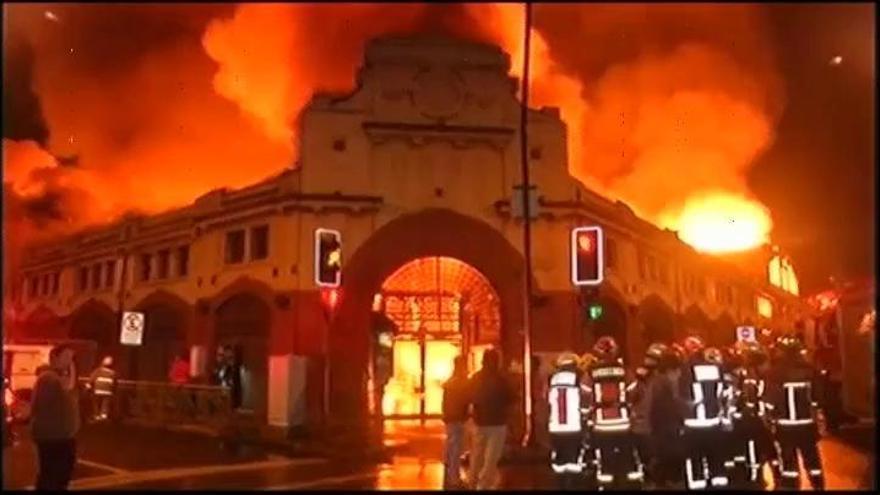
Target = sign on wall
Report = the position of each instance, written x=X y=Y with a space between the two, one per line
x=132 y=332
x=746 y=334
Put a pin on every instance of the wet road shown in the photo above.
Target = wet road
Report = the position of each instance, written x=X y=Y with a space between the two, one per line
x=171 y=461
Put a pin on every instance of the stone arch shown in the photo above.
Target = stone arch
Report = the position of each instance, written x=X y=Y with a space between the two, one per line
x=166 y=319
x=96 y=321
x=656 y=320
x=430 y=232
x=242 y=320
x=723 y=331
x=695 y=322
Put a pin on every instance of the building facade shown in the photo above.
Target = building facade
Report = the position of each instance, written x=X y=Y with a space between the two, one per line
x=416 y=169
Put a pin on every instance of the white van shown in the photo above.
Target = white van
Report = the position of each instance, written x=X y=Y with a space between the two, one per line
x=22 y=359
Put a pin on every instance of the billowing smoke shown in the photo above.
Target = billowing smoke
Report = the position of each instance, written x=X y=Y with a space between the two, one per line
x=148 y=106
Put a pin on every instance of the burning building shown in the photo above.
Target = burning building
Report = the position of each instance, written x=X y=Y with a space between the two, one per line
x=416 y=169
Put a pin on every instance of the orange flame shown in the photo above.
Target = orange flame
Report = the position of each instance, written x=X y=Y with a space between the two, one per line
x=721 y=222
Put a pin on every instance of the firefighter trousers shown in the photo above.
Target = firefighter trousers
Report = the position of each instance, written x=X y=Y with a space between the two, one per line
x=803 y=439
x=567 y=458
x=617 y=461
x=704 y=458
x=751 y=446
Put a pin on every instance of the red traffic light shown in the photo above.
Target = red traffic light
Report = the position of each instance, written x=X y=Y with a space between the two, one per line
x=587 y=257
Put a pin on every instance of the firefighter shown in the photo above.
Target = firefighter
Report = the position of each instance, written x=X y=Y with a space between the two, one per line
x=616 y=459
x=102 y=381
x=701 y=388
x=752 y=442
x=791 y=388
x=566 y=423
x=727 y=360
x=639 y=394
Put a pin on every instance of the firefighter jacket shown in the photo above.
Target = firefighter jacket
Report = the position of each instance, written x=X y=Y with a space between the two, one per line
x=609 y=409
x=639 y=394
x=749 y=397
x=566 y=399
x=701 y=388
x=792 y=389
x=103 y=381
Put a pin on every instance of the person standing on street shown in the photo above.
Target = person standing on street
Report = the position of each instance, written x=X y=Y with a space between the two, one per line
x=102 y=382
x=55 y=420
x=455 y=412
x=491 y=397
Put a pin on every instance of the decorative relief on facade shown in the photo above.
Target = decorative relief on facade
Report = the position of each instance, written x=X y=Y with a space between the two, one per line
x=439 y=93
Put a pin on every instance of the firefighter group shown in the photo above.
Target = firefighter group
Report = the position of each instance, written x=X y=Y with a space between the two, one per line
x=693 y=416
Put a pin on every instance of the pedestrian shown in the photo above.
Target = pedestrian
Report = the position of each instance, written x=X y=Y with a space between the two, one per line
x=491 y=397
x=664 y=415
x=179 y=373
x=55 y=419
x=455 y=413
x=102 y=382
x=639 y=395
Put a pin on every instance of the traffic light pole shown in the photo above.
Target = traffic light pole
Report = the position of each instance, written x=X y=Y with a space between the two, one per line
x=527 y=228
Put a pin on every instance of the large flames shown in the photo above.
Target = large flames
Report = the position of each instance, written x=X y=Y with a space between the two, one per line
x=668 y=117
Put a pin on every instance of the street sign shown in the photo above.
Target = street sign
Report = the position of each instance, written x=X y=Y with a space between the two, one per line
x=132 y=332
x=516 y=202
x=746 y=334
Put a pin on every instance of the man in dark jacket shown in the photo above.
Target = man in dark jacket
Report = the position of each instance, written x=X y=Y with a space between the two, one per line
x=55 y=420
x=491 y=397
x=455 y=413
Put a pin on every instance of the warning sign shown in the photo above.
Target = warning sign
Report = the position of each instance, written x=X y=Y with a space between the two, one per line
x=746 y=334
x=132 y=328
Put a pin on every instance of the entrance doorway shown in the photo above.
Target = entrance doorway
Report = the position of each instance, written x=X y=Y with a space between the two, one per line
x=439 y=308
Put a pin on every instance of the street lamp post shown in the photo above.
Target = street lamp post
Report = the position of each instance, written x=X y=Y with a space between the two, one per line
x=527 y=231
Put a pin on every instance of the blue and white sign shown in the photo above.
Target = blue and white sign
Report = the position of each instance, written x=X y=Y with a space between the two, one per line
x=746 y=334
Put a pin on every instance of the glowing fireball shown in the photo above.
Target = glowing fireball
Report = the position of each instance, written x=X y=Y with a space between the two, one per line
x=722 y=222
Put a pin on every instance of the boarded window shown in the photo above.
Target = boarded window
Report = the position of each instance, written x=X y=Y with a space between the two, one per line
x=96 y=276
x=183 y=261
x=109 y=273
x=146 y=267
x=235 y=246
x=83 y=279
x=260 y=242
x=163 y=260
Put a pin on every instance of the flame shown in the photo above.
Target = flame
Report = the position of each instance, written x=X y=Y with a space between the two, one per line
x=213 y=98
x=721 y=222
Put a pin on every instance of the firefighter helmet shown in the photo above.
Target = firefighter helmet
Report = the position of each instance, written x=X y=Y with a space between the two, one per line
x=713 y=355
x=655 y=354
x=693 y=345
x=606 y=348
x=566 y=359
x=676 y=354
x=789 y=346
x=586 y=361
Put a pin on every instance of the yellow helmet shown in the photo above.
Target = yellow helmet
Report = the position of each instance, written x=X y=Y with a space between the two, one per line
x=566 y=359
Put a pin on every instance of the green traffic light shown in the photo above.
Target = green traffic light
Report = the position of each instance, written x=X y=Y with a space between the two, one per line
x=595 y=312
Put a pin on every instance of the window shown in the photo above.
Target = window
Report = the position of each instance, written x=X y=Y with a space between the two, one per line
x=146 y=266
x=163 y=261
x=260 y=242
x=109 y=273
x=44 y=289
x=643 y=269
x=610 y=252
x=764 y=307
x=664 y=273
x=56 y=282
x=653 y=268
x=33 y=290
x=183 y=260
x=82 y=282
x=96 y=276
x=235 y=246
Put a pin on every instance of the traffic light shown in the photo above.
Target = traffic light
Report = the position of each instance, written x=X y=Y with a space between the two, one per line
x=587 y=256
x=328 y=258
x=590 y=301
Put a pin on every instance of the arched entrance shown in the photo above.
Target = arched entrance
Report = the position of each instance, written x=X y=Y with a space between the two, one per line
x=97 y=322
x=657 y=321
x=695 y=322
x=439 y=307
x=429 y=233
x=242 y=323
x=164 y=336
x=43 y=323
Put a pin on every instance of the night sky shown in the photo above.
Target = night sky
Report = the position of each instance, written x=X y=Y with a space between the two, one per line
x=817 y=178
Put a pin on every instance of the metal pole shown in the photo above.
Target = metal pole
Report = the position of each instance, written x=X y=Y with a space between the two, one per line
x=527 y=230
